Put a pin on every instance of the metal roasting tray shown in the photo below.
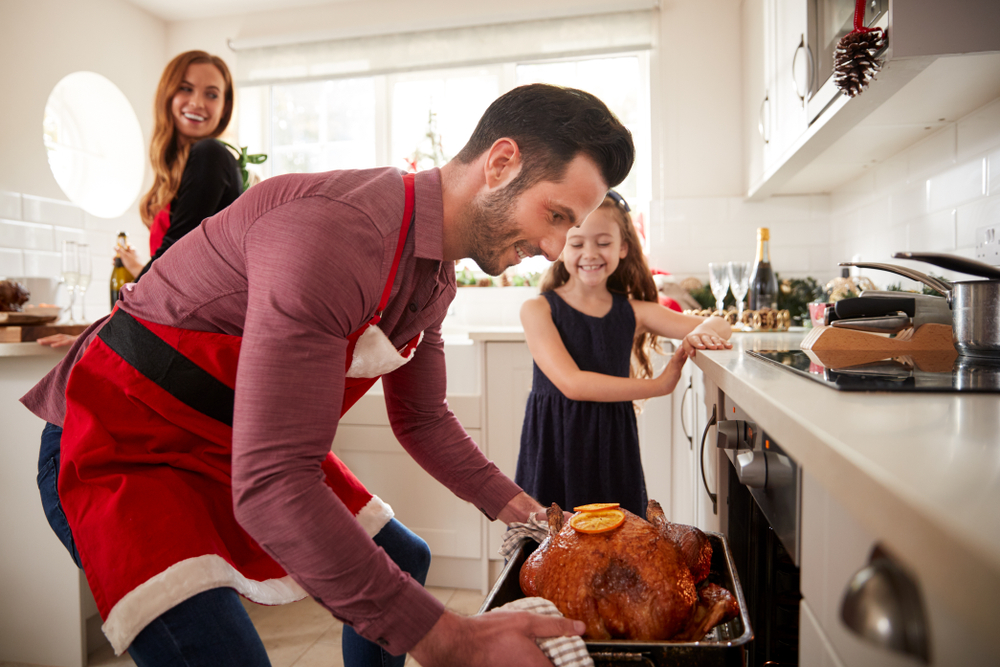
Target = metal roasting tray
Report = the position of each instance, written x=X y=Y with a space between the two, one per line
x=723 y=646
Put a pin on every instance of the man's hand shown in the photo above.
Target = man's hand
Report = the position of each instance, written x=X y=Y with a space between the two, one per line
x=500 y=638
x=519 y=509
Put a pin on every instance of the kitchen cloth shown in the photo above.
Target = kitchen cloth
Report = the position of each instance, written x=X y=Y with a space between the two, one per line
x=562 y=651
x=535 y=529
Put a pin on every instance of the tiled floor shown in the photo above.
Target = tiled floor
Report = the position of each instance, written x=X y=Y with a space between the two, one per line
x=301 y=634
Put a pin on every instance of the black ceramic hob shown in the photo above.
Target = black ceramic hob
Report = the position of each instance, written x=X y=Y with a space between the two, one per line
x=904 y=373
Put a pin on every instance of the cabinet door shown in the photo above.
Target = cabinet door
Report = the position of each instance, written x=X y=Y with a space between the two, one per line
x=508 y=383
x=366 y=443
x=706 y=459
x=792 y=70
x=757 y=107
x=835 y=546
x=654 y=423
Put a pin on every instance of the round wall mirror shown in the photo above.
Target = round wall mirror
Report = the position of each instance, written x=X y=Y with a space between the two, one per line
x=94 y=144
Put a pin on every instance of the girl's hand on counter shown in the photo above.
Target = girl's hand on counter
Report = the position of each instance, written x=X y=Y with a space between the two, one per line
x=707 y=341
x=712 y=334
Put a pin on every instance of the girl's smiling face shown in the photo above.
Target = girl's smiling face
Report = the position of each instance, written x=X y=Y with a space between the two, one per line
x=199 y=102
x=594 y=249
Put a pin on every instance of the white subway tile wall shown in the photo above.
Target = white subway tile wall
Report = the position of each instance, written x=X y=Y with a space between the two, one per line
x=687 y=234
x=936 y=194
x=931 y=197
x=32 y=230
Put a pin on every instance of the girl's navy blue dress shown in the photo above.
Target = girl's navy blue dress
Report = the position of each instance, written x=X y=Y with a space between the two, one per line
x=578 y=452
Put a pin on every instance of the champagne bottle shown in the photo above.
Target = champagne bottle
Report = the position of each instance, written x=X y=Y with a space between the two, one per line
x=119 y=274
x=763 y=283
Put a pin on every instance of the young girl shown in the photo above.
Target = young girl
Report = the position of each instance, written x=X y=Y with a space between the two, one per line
x=597 y=310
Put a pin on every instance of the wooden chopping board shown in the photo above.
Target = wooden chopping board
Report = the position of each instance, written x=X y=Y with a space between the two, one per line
x=28 y=333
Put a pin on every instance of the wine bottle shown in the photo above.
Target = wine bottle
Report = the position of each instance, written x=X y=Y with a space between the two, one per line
x=763 y=283
x=119 y=274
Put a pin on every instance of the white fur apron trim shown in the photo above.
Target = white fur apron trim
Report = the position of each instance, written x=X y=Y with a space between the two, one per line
x=374 y=355
x=183 y=580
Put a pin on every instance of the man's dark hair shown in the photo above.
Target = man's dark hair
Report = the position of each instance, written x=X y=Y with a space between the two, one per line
x=552 y=125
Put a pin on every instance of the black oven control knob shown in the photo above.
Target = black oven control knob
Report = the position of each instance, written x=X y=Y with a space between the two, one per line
x=736 y=434
x=764 y=469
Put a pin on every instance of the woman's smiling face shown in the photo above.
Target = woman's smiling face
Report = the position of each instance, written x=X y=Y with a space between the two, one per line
x=199 y=102
x=594 y=248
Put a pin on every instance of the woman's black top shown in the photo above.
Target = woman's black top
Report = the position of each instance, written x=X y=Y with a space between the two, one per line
x=211 y=181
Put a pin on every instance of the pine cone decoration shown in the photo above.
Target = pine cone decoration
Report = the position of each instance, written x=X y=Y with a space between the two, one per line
x=855 y=64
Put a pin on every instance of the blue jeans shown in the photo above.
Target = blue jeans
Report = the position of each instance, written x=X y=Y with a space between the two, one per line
x=212 y=628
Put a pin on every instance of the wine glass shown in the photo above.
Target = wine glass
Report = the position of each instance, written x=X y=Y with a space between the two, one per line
x=70 y=272
x=739 y=282
x=718 y=278
x=83 y=251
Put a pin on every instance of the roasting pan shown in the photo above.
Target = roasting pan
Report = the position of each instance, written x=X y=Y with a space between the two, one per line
x=724 y=646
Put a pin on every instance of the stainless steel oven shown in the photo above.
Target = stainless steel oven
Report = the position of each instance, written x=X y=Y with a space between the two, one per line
x=829 y=21
x=760 y=516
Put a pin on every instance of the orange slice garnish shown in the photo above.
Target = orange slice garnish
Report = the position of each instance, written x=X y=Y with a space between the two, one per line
x=595 y=507
x=598 y=521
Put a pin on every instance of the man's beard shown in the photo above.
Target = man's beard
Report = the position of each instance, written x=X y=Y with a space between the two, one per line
x=490 y=229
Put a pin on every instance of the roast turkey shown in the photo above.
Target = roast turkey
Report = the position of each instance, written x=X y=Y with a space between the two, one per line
x=641 y=581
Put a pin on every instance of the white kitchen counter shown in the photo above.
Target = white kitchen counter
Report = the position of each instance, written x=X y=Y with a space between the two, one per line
x=920 y=470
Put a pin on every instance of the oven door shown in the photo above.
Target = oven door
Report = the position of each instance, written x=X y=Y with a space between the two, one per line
x=761 y=515
x=829 y=21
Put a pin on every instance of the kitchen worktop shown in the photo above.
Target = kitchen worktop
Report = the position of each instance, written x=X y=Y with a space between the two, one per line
x=31 y=349
x=921 y=470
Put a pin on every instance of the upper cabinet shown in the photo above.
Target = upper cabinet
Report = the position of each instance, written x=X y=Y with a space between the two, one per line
x=802 y=136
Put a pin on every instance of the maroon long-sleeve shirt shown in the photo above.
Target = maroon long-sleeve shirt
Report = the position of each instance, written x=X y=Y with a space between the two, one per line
x=294 y=266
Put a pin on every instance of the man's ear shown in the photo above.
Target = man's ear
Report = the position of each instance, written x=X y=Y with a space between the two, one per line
x=502 y=164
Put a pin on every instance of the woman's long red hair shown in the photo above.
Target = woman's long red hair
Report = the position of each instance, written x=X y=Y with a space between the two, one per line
x=167 y=156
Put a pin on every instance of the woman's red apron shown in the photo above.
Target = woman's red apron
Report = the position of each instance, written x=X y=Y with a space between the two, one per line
x=161 y=223
x=146 y=454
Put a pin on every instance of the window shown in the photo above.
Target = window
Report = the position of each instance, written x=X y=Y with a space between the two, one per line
x=417 y=120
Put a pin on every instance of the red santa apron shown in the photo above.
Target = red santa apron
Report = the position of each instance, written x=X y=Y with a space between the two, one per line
x=146 y=454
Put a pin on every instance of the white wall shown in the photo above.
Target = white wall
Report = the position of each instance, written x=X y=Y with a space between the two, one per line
x=42 y=41
x=931 y=197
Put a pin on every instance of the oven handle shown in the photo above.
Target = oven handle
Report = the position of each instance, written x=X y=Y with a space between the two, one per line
x=701 y=461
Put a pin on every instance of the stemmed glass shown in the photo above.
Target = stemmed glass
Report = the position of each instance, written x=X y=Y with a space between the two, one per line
x=739 y=282
x=718 y=278
x=70 y=272
x=83 y=251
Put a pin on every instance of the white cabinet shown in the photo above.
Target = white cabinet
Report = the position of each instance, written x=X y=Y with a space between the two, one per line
x=44 y=598
x=776 y=70
x=451 y=527
x=834 y=547
x=508 y=383
x=693 y=401
x=942 y=63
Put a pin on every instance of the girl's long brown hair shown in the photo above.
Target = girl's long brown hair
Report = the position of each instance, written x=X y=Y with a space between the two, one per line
x=632 y=278
x=167 y=156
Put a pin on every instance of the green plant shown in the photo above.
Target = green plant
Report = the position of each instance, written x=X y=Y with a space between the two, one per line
x=243 y=159
x=795 y=295
x=924 y=289
x=703 y=295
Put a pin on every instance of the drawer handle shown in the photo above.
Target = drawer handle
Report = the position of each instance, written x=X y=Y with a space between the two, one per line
x=882 y=604
x=684 y=427
x=701 y=461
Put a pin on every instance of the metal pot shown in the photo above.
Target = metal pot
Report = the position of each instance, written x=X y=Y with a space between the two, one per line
x=975 y=304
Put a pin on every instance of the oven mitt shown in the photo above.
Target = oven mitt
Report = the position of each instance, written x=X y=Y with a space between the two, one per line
x=535 y=529
x=568 y=651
